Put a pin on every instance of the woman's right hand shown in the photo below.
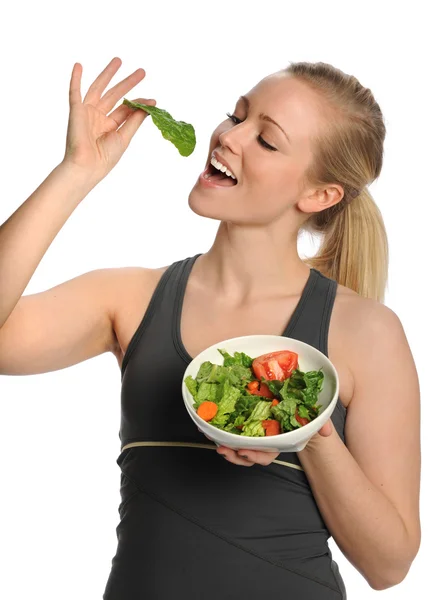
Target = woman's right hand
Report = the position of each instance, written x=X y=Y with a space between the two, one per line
x=96 y=140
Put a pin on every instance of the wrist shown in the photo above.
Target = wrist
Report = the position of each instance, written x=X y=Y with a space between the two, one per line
x=311 y=447
x=318 y=442
x=77 y=176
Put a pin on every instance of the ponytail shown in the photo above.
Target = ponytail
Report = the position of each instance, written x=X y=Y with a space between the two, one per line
x=354 y=248
x=347 y=150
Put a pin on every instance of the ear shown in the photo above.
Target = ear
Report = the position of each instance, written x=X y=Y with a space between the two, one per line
x=320 y=199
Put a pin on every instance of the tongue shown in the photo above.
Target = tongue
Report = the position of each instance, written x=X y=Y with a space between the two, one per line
x=222 y=179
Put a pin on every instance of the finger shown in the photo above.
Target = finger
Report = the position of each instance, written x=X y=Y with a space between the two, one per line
x=123 y=111
x=259 y=458
x=119 y=90
x=75 y=81
x=232 y=456
x=133 y=122
x=100 y=84
x=322 y=431
x=326 y=429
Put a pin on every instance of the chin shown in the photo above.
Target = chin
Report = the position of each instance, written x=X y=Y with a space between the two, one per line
x=204 y=206
x=223 y=208
x=211 y=210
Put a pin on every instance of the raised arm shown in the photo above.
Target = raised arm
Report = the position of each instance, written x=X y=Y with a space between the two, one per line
x=72 y=321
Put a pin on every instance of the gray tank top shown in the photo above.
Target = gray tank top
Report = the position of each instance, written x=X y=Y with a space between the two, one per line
x=256 y=513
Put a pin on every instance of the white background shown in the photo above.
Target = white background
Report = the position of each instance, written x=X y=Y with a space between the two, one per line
x=59 y=431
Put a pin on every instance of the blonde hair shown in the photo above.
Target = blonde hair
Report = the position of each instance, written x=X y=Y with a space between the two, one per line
x=347 y=151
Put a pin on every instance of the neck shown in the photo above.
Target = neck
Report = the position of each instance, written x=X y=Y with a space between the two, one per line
x=247 y=264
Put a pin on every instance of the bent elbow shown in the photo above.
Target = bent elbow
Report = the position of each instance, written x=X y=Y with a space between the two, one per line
x=395 y=576
x=384 y=583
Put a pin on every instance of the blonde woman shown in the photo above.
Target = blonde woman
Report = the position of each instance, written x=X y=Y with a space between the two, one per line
x=196 y=520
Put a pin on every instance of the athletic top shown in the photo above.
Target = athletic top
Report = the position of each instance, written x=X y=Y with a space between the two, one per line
x=192 y=524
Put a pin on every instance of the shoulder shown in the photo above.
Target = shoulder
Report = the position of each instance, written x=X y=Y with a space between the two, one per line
x=365 y=318
x=371 y=335
x=133 y=282
x=135 y=277
x=129 y=292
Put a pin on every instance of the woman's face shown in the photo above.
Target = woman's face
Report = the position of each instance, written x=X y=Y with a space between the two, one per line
x=268 y=181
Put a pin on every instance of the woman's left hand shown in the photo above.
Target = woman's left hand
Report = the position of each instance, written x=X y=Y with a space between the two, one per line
x=248 y=458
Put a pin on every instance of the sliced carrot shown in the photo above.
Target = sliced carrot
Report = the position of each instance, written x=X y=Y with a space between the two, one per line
x=207 y=410
x=275 y=402
x=253 y=385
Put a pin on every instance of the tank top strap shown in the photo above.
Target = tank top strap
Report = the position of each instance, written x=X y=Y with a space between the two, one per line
x=159 y=319
x=311 y=322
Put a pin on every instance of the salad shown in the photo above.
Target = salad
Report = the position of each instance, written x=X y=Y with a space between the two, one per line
x=257 y=397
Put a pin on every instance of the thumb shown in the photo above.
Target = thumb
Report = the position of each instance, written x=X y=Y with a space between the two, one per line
x=133 y=122
x=326 y=429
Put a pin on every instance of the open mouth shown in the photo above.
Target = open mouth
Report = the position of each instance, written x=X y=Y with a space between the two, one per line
x=217 y=176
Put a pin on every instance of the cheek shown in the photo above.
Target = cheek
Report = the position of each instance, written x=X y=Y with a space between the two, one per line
x=269 y=195
x=275 y=177
x=272 y=183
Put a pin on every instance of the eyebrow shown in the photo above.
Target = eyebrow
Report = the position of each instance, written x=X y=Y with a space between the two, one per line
x=265 y=117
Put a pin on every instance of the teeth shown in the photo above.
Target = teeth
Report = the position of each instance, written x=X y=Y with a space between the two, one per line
x=221 y=167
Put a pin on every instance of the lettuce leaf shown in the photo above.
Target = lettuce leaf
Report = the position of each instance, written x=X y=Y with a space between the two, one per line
x=204 y=371
x=237 y=375
x=303 y=411
x=303 y=387
x=226 y=404
x=206 y=391
x=244 y=408
x=253 y=425
x=239 y=358
x=284 y=412
x=314 y=379
x=253 y=429
x=181 y=134
x=273 y=385
x=261 y=411
x=191 y=384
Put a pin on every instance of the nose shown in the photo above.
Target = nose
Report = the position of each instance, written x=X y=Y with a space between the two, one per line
x=230 y=138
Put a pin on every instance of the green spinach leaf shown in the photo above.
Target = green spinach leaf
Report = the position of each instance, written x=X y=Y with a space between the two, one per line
x=181 y=134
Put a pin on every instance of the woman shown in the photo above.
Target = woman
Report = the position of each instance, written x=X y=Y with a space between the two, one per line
x=195 y=522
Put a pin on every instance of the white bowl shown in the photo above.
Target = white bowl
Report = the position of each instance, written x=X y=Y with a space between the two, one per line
x=309 y=359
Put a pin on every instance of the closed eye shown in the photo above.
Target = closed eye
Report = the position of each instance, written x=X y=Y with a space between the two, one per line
x=261 y=140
